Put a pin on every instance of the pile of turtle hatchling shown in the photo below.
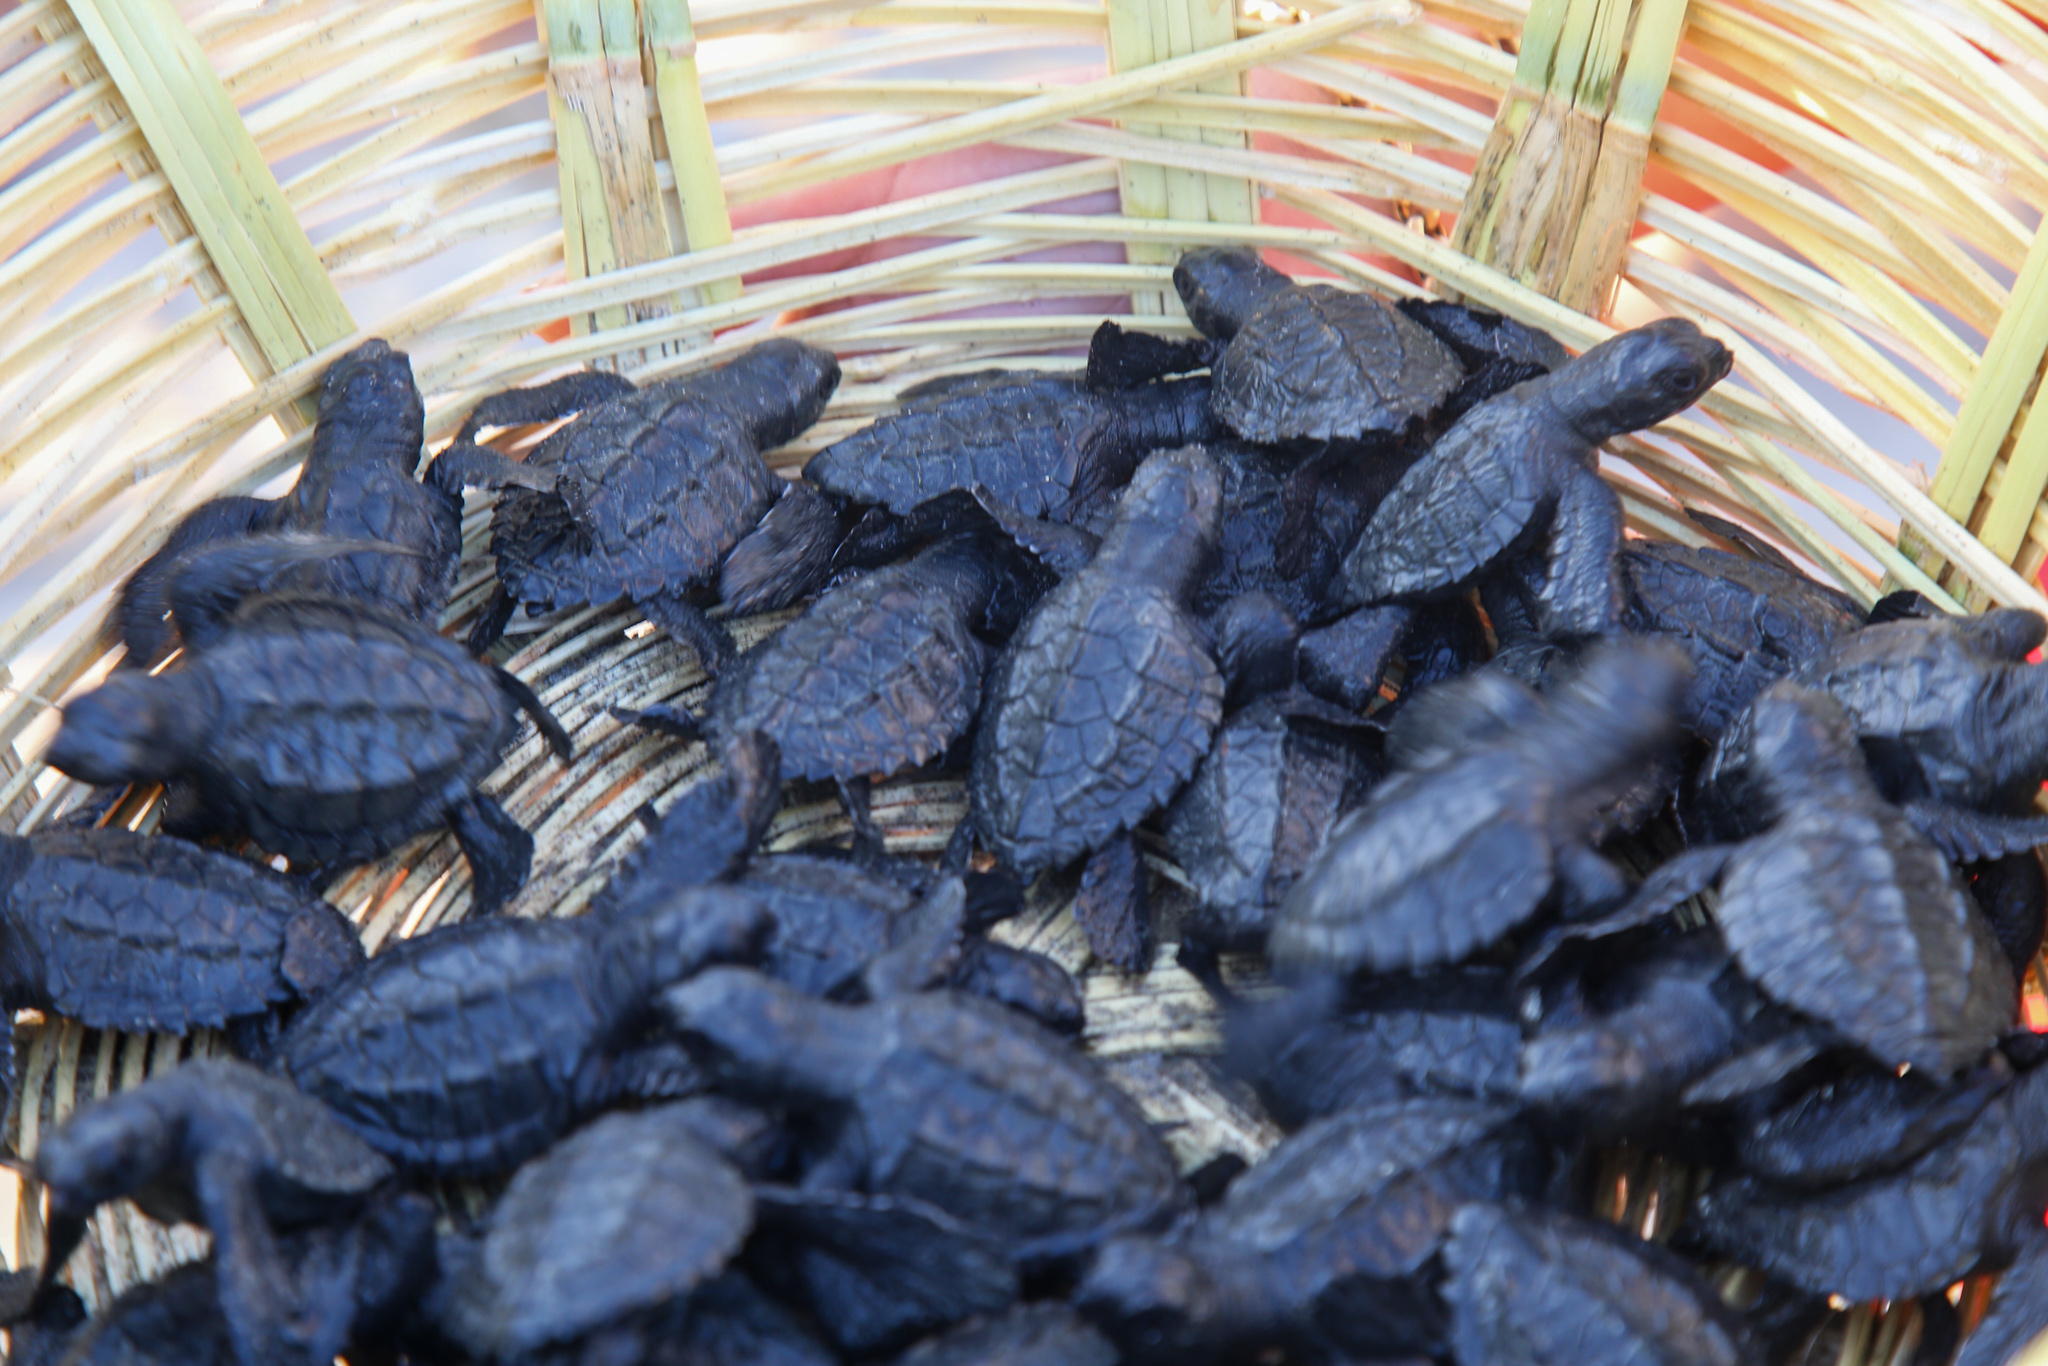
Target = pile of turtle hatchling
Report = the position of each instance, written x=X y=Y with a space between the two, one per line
x=1552 y=841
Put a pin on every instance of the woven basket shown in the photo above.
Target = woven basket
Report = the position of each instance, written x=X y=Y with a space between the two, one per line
x=205 y=205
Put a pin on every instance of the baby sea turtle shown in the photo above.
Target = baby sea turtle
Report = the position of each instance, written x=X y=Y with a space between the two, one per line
x=1310 y=361
x=646 y=492
x=1376 y=1040
x=838 y=922
x=1968 y=1202
x=148 y=933
x=1047 y=1333
x=1493 y=795
x=1498 y=352
x=358 y=484
x=880 y=674
x=1839 y=909
x=1530 y=1287
x=878 y=1271
x=609 y=1232
x=1042 y=442
x=219 y=1143
x=470 y=1048
x=1104 y=703
x=1520 y=467
x=326 y=730
x=944 y=1099
x=1954 y=722
x=1862 y=1121
x=1321 y=1249
x=1743 y=623
x=1280 y=774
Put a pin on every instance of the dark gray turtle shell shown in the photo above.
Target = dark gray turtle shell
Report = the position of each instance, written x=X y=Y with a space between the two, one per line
x=945 y=1099
x=431 y=1053
x=1107 y=697
x=1041 y=442
x=332 y=732
x=1005 y=1126
x=1972 y=1199
x=134 y=932
x=1539 y=1288
x=1321 y=363
x=878 y=675
x=628 y=1215
x=654 y=488
x=1743 y=623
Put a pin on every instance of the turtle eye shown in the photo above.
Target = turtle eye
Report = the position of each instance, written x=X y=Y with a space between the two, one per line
x=1678 y=379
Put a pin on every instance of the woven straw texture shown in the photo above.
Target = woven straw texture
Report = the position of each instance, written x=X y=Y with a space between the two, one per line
x=206 y=203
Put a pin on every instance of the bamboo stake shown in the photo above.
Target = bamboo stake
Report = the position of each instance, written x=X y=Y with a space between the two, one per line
x=687 y=130
x=1592 y=268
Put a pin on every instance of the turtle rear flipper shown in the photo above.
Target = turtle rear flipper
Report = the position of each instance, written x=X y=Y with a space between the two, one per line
x=499 y=850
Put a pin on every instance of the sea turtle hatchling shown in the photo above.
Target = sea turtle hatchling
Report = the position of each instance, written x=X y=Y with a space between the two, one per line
x=1042 y=442
x=1323 y=1248
x=358 y=484
x=941 y=1098
x=149 y=933
x=1839 y=909
x=1519 y=468
x=1312 y=361
x=1536 y=1287
x=1493 y=795
x=607 y=1234
x=218 y=1143
x=1105 y=702
x=472 y=1047
x=644 y=494
x=879 y=674
x=326 y=730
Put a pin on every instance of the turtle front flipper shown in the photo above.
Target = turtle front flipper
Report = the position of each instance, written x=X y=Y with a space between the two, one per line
x=1581 y=591
x=264 y=1309
x=1120 y=359
x=1112 y=908
x=544 y=720
x=787 y=557
x=145 y=603
x=557 y=398
x=1968 y=836
x=686 y=622
x=499 y=850
x=464 y=464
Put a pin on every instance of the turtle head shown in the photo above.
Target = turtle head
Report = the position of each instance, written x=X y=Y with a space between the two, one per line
x=107 y=1150
x=763 y=1039
x=370 y=406
x=1166 y=523
x=778 y=388
x=131 y=728
x=1639 y=378
x=1221 y=286
x=1152 y=1297
x=693 y=929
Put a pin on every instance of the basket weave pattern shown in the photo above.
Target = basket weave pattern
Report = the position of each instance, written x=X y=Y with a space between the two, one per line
x=205 y=204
